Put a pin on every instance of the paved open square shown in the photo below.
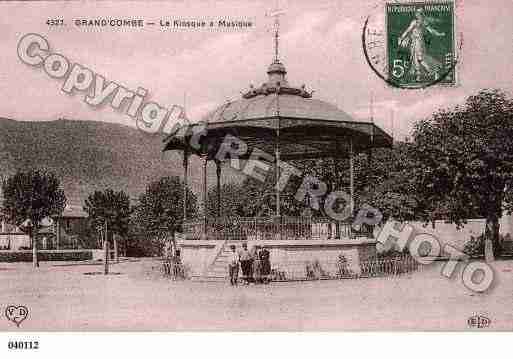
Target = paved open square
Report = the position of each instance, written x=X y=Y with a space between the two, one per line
x=64 y=297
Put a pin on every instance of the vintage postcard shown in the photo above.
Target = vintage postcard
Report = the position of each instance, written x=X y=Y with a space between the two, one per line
x=256 y=166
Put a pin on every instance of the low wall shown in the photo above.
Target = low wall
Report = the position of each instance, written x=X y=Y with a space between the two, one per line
x=99 y=254
x=289 y=256
x=448 y=233
x=46 y=255
x=292 y=257
x=197 y=255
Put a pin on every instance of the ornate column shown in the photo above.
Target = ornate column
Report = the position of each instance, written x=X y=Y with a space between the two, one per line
x=369 y=151
x=278 y=198
x=58 y=231
x=185 y=182
x=218 y=177
x=277 y=169
x=334 y=225
x=351 y=175
x=205 y=196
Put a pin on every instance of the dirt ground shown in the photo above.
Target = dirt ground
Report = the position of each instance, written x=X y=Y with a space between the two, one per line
x=61 y=297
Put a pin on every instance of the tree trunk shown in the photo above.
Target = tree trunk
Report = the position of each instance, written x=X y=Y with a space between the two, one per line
x=35 y=260
x=106 y=249
x=116 y=256
x=492 y=234
x=173 y=243
x=58 y=232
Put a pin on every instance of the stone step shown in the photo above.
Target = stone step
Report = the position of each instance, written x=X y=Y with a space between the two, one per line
x=209 y=279
x=218 y=273
x=223 y=272
x=217 y=266
x=220 y=265
x=214 y=275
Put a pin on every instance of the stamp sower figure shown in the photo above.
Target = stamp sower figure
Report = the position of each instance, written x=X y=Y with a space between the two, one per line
x=413 y=39
x=245 y=263
x=233 y=266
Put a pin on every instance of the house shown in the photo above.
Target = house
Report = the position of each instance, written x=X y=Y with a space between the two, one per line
x=70 y=230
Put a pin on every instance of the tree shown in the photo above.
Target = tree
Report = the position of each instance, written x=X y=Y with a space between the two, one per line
x=232 y=201
x=464 y=161
x=109 y=211
x=385 y=182
x=382 y=180
x=160 y=208
x=30 y=197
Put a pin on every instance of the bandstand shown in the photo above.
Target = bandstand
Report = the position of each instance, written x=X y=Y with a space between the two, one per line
x=282 y=123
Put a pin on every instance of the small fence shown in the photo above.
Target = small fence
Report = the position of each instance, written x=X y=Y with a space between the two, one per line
x=341 y=269
x=316 y=270
x=46 y=255
x=264 y=228
x=173 y=269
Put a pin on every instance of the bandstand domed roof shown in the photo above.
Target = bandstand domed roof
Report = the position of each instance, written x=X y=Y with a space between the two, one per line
x=285 y=105
x=276 y=111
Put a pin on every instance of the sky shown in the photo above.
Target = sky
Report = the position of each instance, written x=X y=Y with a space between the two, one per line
x=320 y=45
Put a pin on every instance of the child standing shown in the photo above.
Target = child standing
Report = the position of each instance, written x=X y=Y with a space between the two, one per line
x=233 y=266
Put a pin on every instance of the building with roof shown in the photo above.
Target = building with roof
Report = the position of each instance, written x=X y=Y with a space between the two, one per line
x=271 y=124
x=67 y=231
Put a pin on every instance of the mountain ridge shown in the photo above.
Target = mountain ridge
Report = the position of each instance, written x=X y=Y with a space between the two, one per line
x=86 y=155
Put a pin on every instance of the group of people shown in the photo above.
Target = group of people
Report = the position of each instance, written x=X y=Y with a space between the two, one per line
x=173 y=263
x=254 y=264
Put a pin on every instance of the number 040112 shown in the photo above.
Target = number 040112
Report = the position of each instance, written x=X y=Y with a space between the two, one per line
x=23 y=345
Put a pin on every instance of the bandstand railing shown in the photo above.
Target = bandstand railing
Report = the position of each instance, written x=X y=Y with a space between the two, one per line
x=268 y=228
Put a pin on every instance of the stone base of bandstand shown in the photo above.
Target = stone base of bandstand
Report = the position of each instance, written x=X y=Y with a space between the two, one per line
x=290 y=257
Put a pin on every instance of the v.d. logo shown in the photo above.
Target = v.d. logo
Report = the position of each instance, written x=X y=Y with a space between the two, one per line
x=16 y=314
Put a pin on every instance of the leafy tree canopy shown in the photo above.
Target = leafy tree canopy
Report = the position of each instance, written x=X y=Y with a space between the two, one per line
x=463 y=160
x=111 y=207
x=33 y=195
x=160 y=207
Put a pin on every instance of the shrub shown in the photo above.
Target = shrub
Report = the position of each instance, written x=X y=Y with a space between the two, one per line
x=475 y=246
x=343 y=266
x=392 y=253
x=314 y=270
x=278 y=275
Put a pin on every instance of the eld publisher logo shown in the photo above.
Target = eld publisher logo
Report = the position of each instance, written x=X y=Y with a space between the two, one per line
x=479 y=321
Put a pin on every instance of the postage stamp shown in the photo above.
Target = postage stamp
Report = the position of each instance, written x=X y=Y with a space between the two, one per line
x=420 y=43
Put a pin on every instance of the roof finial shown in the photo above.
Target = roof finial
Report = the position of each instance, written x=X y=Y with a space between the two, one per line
x=372 y=106
x=276 y=13
x=392 y=123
